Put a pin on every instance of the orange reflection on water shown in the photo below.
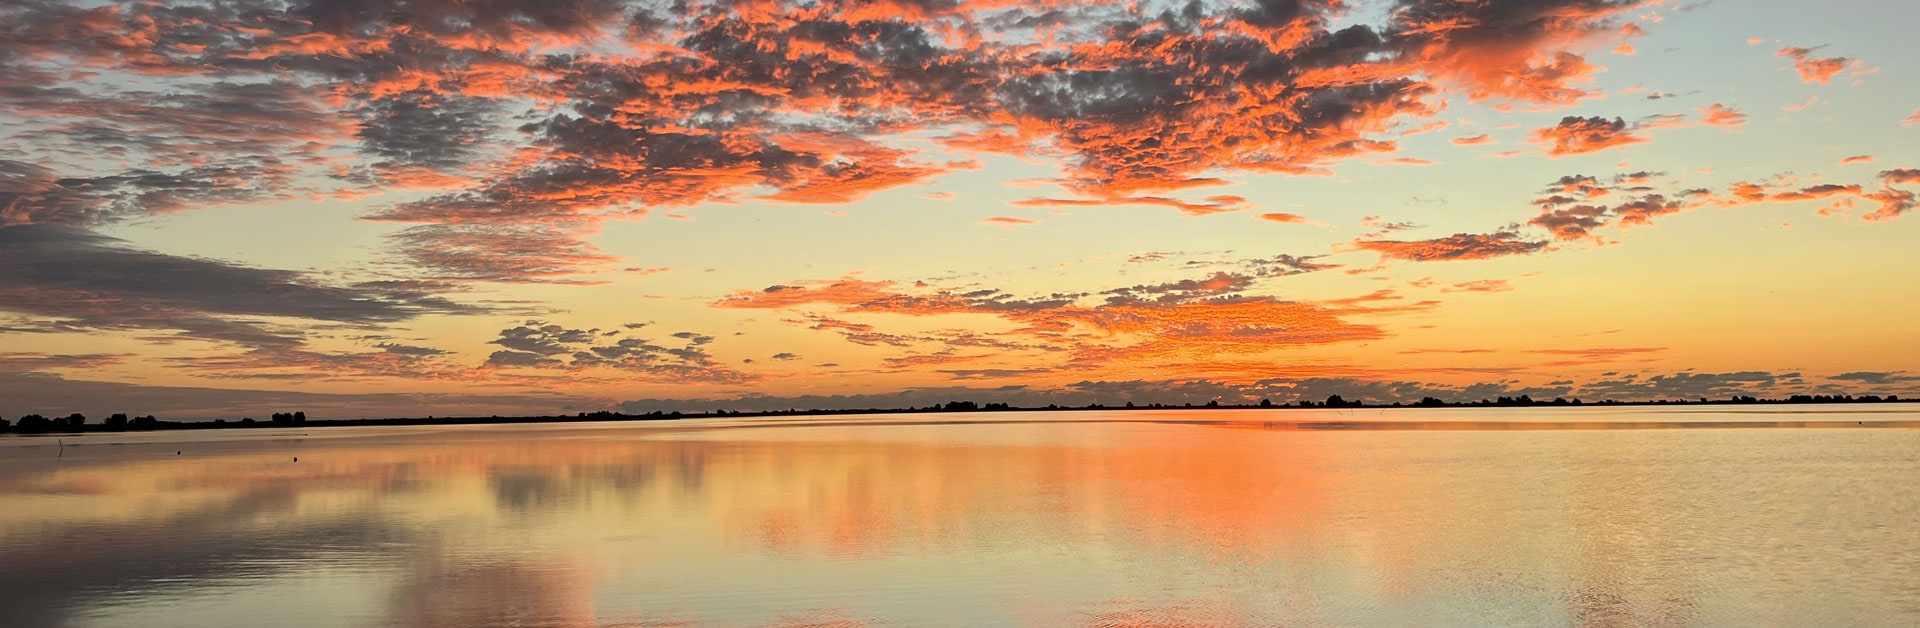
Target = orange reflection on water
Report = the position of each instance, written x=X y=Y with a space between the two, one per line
x=1118 y=523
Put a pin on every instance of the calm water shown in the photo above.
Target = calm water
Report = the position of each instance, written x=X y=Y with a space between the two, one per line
x=868 y=521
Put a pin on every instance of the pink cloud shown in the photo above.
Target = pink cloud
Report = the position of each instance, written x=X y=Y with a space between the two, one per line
x=1816 y=70
x=1576 y=135
x=1722 y=116
x=1008 y=222
x=1483 y=285
x=1901 y=175
x=1460 y=246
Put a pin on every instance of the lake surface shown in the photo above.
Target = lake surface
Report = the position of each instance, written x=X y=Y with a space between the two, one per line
x=1177 y=518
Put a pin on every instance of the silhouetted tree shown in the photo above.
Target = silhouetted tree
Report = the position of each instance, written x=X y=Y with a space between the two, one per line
x=117 y=421
x=147 y=422
x=1266 y=403
x=75 y=420
x=34 y=423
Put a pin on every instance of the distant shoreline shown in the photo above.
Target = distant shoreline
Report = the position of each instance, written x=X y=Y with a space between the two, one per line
x=120 y=423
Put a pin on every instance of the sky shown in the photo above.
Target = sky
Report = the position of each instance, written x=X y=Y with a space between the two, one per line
x=362 y=208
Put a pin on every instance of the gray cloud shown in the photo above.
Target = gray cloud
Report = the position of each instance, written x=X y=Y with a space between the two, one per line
x=400 y=349
x=86 y=280
x=539 y=344
x=1876 y=377
x=1220 y=284
x=1688 y=385
x=441 y=132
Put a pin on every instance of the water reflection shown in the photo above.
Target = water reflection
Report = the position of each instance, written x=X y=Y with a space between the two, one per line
x=439 y=593
x=1124 y=523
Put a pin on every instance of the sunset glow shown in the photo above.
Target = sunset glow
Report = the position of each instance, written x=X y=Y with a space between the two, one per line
x=365 y=208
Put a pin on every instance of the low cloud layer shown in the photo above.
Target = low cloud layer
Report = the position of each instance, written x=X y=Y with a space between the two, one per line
x=1621 y=387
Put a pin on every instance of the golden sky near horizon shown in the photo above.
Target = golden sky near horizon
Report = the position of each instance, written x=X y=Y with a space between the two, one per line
x=366 y=208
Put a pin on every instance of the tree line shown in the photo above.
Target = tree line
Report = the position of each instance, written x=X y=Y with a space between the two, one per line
x=77 y=422
x=34 y=423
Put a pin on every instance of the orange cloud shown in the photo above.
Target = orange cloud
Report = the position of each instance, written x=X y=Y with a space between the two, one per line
x=1818 y=191
x=1148 y=324
x=1643 y=210
x=1508 y=51
x=1472 y=140
x=1284 y=218
x=1425 y=128
x=1901 y=175
x=1856 y=159
x=932 y=359
x=1815 y=70
x=1576 y=135
x=1912 y=119
x=1569 y=223
x=1748 y=191
x=814 y=110
x=1008 y=222
x=1720 y=115
x=1483 y=285
x=1460 y=246
x=1595 y=355
x=844 y=292
x=1212 y=205
x=1893 y=204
